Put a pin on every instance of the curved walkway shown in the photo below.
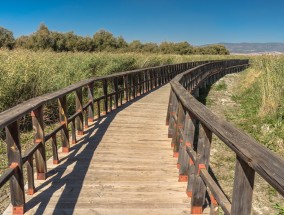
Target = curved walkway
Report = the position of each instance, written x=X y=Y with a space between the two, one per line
x=122 y=165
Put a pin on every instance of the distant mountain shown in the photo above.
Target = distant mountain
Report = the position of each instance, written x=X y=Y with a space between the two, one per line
x=247 y=48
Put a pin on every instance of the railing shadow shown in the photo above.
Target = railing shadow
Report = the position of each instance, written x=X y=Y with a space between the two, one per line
x=80 y=156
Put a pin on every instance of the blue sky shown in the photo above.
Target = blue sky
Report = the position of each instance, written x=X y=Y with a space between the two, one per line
x=196 y=21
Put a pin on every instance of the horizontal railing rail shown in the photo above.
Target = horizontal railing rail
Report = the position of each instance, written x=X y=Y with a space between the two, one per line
x=187 y=117
x=116 y=89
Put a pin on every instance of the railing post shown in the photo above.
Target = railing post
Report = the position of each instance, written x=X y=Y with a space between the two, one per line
x=15 y=162
x=243 y=188
x=73 y=132
x=91 y=99
x=30 y=176
x=169 y=108
x=125 y=86
x=183 y=158
x=105 y=96
x=79 y=108
x=54 y=150
x=132 y=86
x=148 y=76
x=40 y=158
x=62 y=103
x=172 y=124
x=189 y=143
x=115 y=86
x=139 y=83
x=179 y=125
x=202 y=162
x=145 y=79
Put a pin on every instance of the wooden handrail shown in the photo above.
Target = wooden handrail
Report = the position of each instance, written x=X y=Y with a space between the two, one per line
x=251 y=156
x=126 y=86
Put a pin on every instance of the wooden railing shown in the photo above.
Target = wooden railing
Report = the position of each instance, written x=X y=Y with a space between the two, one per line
x=116 y=89
x=187 y=117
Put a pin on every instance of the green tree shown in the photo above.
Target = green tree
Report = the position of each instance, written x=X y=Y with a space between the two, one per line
x=6 y=38
x=42 y=38
x=135 y=46
x=166 y=48
x=104 y=41
x=183 y=48
x=150 y=47
x=121 y=43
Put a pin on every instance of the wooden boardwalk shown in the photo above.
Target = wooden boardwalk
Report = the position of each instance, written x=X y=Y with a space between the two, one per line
x=122 y=165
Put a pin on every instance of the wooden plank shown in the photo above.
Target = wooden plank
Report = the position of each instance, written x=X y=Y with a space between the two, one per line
x=222 y=200
x=15 y=162
x=79 y=109
x=63 y=118
x=133 y=171
x=243 y=188
x=40 y=156
x=202 y=161
x=91 y=100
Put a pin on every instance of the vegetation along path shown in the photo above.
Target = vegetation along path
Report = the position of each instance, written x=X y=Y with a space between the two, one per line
x=117 y=169
x=220 y=100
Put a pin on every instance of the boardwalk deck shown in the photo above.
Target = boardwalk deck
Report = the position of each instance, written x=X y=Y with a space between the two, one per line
x=123 y=166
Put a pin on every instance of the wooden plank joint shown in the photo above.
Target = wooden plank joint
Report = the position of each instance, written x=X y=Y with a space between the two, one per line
x=31 y=191
x=188 y=144
x=18 y=209
x=213 y=200
x=196 y=210
x=14 y=165
x=189 y=194
x=175 y=154
x=41 y=176
x=183 y=178
x=56 y=162
x=200 y=166
x=65 y=149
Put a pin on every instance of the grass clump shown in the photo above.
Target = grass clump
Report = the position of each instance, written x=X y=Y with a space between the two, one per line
x=221 y=86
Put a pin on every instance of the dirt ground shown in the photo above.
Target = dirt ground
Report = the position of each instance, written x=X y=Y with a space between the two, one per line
x=222 y=159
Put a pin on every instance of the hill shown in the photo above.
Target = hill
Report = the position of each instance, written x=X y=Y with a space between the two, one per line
x=248 y=48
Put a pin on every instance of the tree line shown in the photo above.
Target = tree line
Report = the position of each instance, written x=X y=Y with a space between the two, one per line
x=44 y=39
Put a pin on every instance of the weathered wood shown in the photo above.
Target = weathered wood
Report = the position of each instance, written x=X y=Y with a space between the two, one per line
x=117 y=181
x=30 y=175
x=125 y=86
x=183 y=159
x=202 y=162
x=189 y=144
x=222 y=200
x=116 y=95
x=6 y=176
x=79 y=108
x=40 y=157
x=54 y=150
x=105 y=107
x=132 y=87
x=236 y=140
x=179 y=124
x=173 y=111
x=15 y=162
x=243 y=188
x=63 y=118
x=73 y=132
x=91 y=100
x=169 y=108
x=155 y=79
